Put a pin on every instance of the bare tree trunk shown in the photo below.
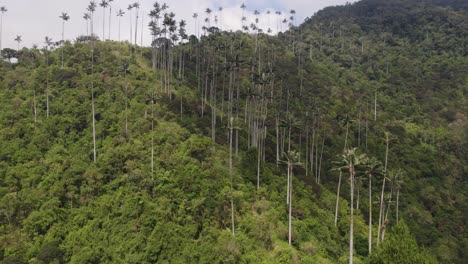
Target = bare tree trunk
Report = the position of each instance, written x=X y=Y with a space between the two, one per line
x=104 y=24
x=397 y=205
x=370 y=214
x=231 y=176
x=379 y=230
x=34 y=106
x=63 y=40
x=110 y=19
x=290 y=202
x=339 y=179
x=351 y=225
x=92 y=105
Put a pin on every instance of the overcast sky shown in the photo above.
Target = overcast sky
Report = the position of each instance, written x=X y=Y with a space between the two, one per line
x=35 y=19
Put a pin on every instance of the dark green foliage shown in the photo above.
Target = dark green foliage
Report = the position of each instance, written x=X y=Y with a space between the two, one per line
x=57 y=206
x=400 y=247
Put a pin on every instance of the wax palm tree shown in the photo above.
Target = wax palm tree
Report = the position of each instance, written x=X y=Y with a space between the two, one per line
x=65 y=17
x=349 y=161
x=3 y=10
x=136 y=5
x=129 y=8
x=346 y=121
x=91 y=9
x=195 y=17
x=104 y=4
x=372 y=167
x=220 y=10
x=120 y=14
x=233 y=125
x=398 y=185
x=243 y=7
x=87 y=17
x=292 y=159
x=208 y=13
x=388 y=138
x=18 y=39
x=110 y=17
x=48 y=43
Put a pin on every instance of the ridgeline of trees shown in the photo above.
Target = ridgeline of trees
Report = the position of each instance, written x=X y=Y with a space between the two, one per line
x=325 y=143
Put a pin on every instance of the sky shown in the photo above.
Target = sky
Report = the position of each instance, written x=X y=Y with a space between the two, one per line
x=35 y=19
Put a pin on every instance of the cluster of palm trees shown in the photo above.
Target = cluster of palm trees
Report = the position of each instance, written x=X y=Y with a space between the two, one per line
x=360 y=166
x=220 y=69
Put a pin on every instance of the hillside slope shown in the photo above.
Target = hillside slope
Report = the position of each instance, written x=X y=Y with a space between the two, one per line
x=161 y=188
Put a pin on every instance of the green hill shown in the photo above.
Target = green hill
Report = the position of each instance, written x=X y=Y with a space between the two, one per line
x=183 y=153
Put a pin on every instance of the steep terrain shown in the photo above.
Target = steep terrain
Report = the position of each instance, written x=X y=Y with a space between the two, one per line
x=388 y=79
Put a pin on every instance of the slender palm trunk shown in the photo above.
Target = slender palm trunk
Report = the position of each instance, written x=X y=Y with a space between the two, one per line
x=290 y=203
x=339 y=179
x=231 y=176
x=103 y=24
x=47 y=86
x=92 y=104
x=1 y=32
x=131 y=29
x=63 y=39
x=379 y=230
x=370 y=213
x=119 y=27
x=351 y=224
x=397 y=205
x=152 y=138
x=110 y=19
x=375 y=106
x=136 y=26
x=34 y=106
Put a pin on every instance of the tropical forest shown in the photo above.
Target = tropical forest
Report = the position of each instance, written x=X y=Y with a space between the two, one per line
x=301 y=136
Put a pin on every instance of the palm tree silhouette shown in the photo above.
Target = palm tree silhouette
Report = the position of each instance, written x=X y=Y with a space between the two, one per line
x=2 y=11
x=65 y=17
x=87 y=17
x=349 y=161
x=110 y=17
x=91 y=9
x=104 y=4
x=18 y=40
x=372 y=167
x=48 y=43
x=120 y=14
x=136 y=5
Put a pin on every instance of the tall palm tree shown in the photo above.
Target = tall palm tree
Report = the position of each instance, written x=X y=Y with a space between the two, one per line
x=373 y=167
x=110 y=17
x=136 y=5
x=18 y=40
x=129 y=8
x=87 y=17
x=3 y=10
x=91 y=9
x=220 y=9
x=232 y=125
x=120 y=14
x=195 y=17
x=65 y=17
x=243 y=7
x=350 y=160
x=104 y=4
x=208 y=13
x=292 y=159
x=48 y=43
x=345 y=122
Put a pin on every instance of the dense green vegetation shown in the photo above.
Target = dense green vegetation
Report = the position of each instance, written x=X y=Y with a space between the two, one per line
x=358 y=91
